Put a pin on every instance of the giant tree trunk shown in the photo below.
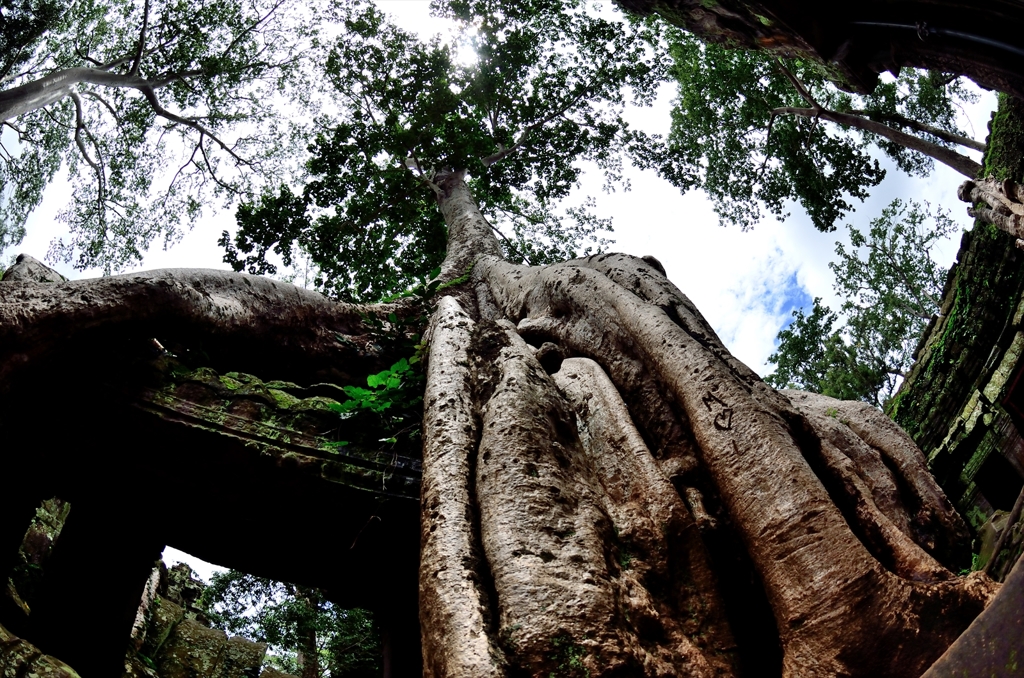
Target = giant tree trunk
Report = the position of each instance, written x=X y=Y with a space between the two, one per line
x=576 y=511
x=606 y=490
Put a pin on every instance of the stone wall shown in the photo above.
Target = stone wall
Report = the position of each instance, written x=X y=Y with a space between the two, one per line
x=172 y=640
x=963 y=400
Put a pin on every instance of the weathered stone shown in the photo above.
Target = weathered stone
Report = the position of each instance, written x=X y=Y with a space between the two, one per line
x=241 y=659
x=134 y=667
x=182 y=586
x=20 y=659
x=192 y=651
x=35 y=549
x=165 y=615
x=990 y=535
x=145 y=612
x=29 y=269
x=196 y=651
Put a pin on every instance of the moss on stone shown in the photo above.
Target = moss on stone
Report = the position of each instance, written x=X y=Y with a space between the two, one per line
x=284 y=400
x=1003 y=157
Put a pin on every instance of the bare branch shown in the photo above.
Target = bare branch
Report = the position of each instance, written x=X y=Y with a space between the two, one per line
x=79 y=128
x=253 y=27
x=105 y=103
x=530 y=129
x=961 y=163
x=209 y=166
x=158 y=108
x=797 y=84
x=84 y=56
x=142 y=41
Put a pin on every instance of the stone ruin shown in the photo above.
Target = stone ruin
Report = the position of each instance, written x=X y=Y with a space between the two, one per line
x=148 y=450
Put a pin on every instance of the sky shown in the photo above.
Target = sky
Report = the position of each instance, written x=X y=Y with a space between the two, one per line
x=745 y=283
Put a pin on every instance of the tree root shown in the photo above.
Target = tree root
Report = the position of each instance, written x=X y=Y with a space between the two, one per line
x=820 y=567
x=454 y=610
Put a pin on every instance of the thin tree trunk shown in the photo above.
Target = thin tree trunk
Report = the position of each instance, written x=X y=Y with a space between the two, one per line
x=961 y=163
x=948 y=137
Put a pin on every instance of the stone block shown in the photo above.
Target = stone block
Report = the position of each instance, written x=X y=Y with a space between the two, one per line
x=191 y=651
x=242 y=658
x=165 y=615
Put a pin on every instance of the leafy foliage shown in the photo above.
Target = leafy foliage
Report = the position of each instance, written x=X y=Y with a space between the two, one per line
x=293 y=621
x=891 y=288
x=546 y=90
x=150 y=90
x=735 y=135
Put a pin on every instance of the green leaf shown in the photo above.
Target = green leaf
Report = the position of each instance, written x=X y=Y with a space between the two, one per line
x=358 y=393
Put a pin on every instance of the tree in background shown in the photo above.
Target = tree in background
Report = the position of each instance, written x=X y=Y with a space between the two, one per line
x=307 y=635
x=156 y=108
x=757 y=132
x=891 y=288
x=545 y=91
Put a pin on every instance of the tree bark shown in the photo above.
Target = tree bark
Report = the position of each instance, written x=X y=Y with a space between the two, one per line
x=600 y=475
x=591 y=558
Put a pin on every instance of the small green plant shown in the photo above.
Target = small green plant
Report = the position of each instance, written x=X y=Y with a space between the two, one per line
x=568 y=657
x=393 y=395
x=431 y=285
x=832 y=412
x=396 y=387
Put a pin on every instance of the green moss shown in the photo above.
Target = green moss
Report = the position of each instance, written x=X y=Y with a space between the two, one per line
x=278 y=384
x=315 y=404
x=284 y=400
x=230 y=382
x=1003 y=157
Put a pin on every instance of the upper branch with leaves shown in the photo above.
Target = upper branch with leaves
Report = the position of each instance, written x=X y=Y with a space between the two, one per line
x=545 y=90
x=756 y=132
x=119 y=90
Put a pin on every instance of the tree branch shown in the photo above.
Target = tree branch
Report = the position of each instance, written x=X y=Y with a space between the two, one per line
x=530 y=129
x=105 y=103
x=798 y=85
x=142 y=41
x=948 y=137
x=158 y=108
x=79 y=128
x=961 y=163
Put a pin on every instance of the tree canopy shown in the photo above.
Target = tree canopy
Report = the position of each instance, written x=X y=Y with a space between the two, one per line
x=307 y=635
x=156 y=108
x=545 y=91
x=891 y=287
x=757 y=132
